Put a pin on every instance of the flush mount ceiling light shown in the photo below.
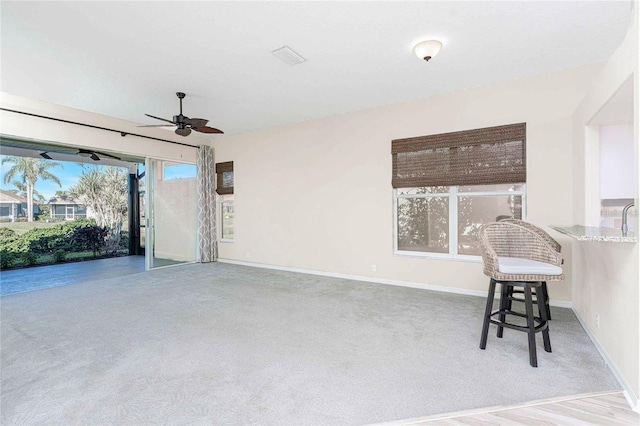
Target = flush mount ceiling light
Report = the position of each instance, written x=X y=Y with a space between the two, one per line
x=427 y=49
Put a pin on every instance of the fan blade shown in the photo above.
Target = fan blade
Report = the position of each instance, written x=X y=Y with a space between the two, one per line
x=157 y=125
x=158 y=118
x=207 y=129
x=196 y=122
x=104 y=154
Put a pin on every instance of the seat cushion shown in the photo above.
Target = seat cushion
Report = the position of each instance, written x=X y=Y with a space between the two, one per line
x=516 y=265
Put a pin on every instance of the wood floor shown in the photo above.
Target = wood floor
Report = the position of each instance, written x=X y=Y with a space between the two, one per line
x=595 y=409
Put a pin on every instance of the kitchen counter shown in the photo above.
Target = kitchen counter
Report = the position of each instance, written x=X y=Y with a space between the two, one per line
x=595 y=233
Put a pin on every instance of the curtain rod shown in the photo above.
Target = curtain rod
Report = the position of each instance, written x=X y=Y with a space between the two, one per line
x=123 y=134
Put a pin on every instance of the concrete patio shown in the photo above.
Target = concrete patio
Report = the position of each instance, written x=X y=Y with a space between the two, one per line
x=40 y=277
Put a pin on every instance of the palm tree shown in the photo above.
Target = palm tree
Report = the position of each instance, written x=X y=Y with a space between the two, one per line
x=105 y=192
x=21 y=190
x=30 y=169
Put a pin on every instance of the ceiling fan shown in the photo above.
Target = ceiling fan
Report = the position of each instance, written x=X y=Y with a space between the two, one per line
x=183 y=123
x=94 y=155
x=86 y=153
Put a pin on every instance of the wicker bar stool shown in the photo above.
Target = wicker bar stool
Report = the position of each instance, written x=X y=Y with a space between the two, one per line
x=515 y=256
x=553 y=243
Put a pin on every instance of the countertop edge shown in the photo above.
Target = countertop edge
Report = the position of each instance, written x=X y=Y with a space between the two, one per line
x=590 y=233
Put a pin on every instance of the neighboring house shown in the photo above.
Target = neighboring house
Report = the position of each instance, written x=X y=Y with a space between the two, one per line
x=13 y=206
x=65 y=207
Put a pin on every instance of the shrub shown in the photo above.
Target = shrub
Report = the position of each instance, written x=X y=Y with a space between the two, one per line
x=29 y=258
x=58 y=237
x=59 y=256
x=124 y=240
x=7 y=258
x=7 y=232
x=11 y=242
x=90 y=237
x=46 y=240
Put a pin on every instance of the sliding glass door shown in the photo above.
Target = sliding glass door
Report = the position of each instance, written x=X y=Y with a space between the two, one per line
x=171 y=213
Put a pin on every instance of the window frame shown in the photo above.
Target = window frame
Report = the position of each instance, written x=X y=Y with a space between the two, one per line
x=226 y=199
x=453 y=194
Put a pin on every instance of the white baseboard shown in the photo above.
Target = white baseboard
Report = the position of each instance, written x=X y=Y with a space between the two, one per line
x=629 y=394
x=479 y=293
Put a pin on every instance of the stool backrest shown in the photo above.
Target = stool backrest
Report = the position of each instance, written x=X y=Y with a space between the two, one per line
x=507 y=239
x=553 y=243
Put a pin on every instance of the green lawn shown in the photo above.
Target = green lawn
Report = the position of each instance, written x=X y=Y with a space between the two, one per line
x=23 y=227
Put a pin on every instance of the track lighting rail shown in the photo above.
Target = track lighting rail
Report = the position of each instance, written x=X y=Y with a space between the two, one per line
x=122 y=133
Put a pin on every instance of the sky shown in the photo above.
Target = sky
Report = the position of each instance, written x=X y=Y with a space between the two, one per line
x=69 y=172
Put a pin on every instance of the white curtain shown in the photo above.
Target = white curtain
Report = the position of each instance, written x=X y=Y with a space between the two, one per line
x=207 y=205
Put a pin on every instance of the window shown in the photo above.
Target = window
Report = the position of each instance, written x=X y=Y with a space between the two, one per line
x=172 y=171
x=224 y=187
x=446 y=186
x=226 y=215
x=224 y=179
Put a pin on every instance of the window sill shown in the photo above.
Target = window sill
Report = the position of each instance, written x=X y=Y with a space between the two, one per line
x=226 y=241
x=439 y=256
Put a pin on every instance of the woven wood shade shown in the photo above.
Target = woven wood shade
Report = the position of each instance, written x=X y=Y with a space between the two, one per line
x=492 y=155
x=223 y=187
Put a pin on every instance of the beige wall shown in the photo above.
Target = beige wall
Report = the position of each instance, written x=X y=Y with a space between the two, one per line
x=67 y=134
x=606 y=275
x=317 y=195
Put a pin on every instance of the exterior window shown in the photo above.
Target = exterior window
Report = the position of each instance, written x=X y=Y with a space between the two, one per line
x=224 y=179
x=446 y=220
x=226 y=215
x=173 y=171
x=448 y=185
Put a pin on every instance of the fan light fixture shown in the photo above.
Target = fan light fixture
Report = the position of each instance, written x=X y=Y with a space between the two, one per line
x=427 y=49
x=183 y=123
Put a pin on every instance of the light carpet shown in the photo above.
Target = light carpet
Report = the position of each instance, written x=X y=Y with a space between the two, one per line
x=228 y=344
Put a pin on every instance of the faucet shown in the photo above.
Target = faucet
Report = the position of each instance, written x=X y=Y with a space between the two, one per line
x=625 y=212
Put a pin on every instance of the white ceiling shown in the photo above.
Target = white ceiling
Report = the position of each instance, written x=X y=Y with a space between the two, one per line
x=125 y=59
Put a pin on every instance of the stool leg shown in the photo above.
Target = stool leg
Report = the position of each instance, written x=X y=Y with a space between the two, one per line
x=487 y=314
x=504 y=296
x=545 y=295
x=528 y=301
x=545 y=332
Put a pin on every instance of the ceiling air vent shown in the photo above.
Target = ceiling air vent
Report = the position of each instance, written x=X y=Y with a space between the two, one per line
x=288 y=56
